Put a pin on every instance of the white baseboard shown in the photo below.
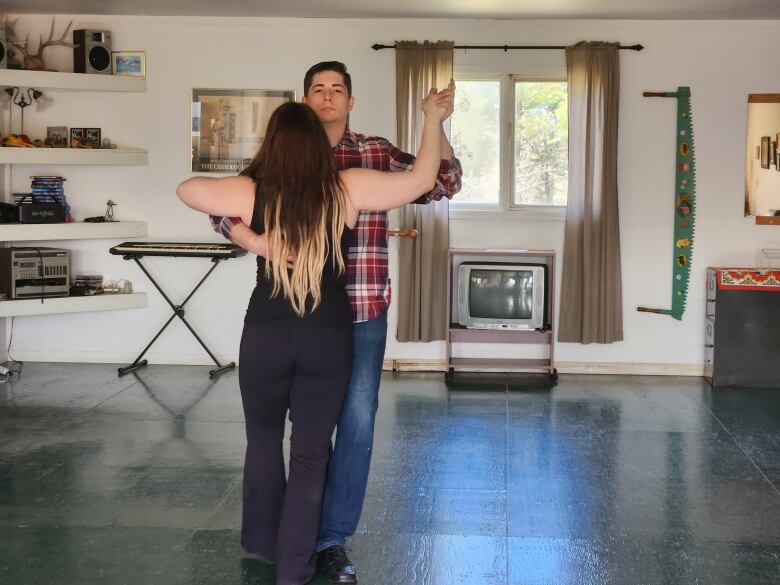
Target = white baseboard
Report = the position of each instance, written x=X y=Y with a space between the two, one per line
x=397 y=365
x=637 y=369
x=110 y=357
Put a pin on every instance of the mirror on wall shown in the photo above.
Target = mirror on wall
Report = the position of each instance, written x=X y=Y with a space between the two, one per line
x=762 y=160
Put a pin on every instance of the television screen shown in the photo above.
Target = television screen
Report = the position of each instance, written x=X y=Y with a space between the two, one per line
x=501 y=294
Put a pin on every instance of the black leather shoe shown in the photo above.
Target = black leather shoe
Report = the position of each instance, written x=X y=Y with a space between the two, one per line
x=335 y=565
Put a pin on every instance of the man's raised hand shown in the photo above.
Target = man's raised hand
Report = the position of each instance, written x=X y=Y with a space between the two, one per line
x=433 y=107
x=446 y=99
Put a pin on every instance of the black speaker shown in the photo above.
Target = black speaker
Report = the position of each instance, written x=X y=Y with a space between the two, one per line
x=3 y=49
x=92 y=53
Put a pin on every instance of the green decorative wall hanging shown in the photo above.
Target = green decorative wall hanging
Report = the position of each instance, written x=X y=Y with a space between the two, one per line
x=684 y=203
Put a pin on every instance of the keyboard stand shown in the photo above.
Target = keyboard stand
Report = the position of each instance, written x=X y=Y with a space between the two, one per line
x=178 y=311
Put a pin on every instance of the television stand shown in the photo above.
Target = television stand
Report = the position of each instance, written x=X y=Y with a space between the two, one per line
x=456 y=333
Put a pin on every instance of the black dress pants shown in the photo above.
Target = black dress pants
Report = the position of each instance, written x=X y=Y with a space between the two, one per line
x=305 y=371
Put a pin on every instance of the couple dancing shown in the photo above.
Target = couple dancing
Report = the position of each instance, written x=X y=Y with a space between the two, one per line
x=313 y=342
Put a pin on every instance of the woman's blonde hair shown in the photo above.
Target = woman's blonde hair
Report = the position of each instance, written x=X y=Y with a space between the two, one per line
x=302 y=198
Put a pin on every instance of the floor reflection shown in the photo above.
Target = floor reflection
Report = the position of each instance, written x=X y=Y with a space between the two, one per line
x=598 y=480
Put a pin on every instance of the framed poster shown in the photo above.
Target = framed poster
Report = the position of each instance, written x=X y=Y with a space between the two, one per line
x=228 y=126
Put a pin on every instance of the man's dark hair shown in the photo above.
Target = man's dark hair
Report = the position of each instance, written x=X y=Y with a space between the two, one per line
x=335 y=66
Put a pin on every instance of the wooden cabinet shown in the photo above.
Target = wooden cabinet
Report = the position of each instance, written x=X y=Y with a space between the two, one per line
x=742 y=327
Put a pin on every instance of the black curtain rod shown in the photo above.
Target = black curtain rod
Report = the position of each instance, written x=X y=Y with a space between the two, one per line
x=377 y=47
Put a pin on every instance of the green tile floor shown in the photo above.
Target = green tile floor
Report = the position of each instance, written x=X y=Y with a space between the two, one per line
x=602 y=479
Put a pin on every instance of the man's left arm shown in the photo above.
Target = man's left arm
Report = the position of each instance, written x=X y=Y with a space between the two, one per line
x=448 y=180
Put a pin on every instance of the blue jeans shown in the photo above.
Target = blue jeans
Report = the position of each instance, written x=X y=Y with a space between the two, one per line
x=345 y=488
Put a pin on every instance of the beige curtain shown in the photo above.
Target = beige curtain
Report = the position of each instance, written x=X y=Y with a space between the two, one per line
x=591 y=295
x=421 y=290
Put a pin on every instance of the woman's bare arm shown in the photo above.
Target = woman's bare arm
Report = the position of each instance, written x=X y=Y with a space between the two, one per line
x=227 y=196
x=378 y=191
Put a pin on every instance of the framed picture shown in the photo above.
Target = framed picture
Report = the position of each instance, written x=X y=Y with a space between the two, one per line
x=129 y=63
x=765 y=142
x=77 y=137
x=228 y=126
x=56 y=136
x=776 y=151
x=92 y=137
x=762 y=195
x=85 y=138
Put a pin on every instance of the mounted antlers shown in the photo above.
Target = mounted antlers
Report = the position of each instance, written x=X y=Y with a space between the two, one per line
x=35 y=61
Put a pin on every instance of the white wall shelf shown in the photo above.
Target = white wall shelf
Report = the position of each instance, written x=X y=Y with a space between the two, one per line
x=73 y=156
x=71 y=81
x=50 y=306
x=77 y=230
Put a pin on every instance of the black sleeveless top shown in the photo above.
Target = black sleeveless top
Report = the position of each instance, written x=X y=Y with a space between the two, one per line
x=332 y=312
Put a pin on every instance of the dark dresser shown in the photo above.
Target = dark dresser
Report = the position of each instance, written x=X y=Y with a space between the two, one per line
x=742 y=328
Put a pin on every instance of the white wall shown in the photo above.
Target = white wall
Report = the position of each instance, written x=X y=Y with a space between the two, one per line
x=721 y=61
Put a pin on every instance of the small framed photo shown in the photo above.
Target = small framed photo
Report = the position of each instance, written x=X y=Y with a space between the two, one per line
x=129 y=63
x=765 y=151
x=92 y=137
x=56 y=136
x=77 y=137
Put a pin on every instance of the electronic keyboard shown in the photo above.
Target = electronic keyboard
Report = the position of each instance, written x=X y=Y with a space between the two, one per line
x=201 y=250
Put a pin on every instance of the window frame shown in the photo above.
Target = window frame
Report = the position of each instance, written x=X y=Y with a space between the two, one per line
x=506 y=208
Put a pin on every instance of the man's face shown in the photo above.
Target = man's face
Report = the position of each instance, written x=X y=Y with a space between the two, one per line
x=328 y=97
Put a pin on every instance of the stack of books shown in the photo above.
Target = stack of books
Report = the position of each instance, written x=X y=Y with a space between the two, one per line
x=47 y=189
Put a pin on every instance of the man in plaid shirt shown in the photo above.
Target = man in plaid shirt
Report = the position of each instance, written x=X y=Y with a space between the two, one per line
x=328 y=90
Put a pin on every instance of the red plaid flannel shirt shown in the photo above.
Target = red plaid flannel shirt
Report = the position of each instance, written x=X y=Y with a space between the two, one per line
x=368 y=286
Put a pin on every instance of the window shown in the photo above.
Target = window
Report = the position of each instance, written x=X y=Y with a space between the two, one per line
x=532 y=172
x=476 y=140
x=541 y=148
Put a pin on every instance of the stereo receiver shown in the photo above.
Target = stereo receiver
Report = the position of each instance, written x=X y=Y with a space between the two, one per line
x=34 y=272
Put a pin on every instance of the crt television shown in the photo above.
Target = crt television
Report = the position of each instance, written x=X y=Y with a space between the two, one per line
x=501 y=295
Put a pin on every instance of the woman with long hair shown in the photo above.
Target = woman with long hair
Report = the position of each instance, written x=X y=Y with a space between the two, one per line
x=296 y=347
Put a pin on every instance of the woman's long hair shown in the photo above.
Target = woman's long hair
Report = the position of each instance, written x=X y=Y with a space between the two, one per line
x=302 y=198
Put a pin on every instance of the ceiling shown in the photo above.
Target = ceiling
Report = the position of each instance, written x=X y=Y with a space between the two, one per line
x=493 y=9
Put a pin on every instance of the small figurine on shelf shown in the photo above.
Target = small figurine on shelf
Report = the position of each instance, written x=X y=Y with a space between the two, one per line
x=121 y=286
x=109 y=210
